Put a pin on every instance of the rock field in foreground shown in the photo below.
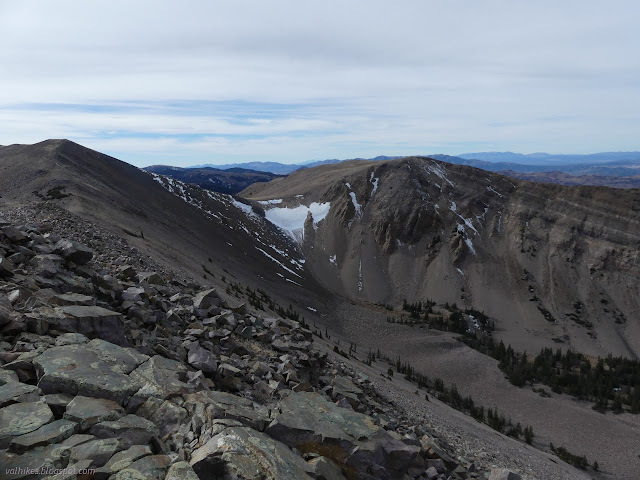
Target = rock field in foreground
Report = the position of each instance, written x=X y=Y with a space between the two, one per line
x=107 y=367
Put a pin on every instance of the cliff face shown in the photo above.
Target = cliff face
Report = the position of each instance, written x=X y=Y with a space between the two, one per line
x=560 y=261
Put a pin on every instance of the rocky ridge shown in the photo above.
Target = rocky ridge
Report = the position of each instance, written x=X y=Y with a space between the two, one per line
x=110 y=367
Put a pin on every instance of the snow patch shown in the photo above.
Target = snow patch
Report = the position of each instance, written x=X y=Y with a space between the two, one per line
x=312 y=309
x=490 y=188
x=360 y=277
x=460 y=272
x=470 y=245
x=356 y=204
x=291 y=220
x=275 y=201
x=332 y=260
x=374 y=182
x=438 y=170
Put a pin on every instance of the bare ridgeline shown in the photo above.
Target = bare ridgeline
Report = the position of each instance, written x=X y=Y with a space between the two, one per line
x=318 y=326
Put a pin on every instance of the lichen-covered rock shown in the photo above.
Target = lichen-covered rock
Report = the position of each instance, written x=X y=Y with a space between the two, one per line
x=92 y=321
x=88 y=411
x=241 y=452
x=181 y=471
x=130 y=430
x=95 y=369
x=152 y=467
x=15 y=466
x=311 y=424
x=50 y=433
x=14 y=392
x=99 y=451
x=21 y=418
x=215 y=404
x=122 y=460
x=159 y=377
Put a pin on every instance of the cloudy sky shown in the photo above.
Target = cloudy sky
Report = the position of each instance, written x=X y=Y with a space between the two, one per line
x=185 y=83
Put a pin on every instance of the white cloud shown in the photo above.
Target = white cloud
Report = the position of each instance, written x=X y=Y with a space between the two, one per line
x=332 y=79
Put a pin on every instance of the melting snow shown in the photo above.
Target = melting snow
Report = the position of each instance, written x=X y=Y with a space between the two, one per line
x=288 y=279
x=374 y=182
x=279 y=263
x=490 y=188
x=467 y=221
x=470 y=245
x=439 y=171
x=291 y=220
x=275 y=201
x=356 y=204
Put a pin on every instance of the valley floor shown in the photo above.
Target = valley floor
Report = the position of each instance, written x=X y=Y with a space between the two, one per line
x=612 y=440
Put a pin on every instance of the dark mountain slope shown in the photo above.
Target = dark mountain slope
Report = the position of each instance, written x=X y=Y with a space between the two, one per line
x=190 y=229
x=566 y=179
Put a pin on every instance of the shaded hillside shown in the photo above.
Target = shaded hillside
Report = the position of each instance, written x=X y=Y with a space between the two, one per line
x=190 y=229
x=567 y=179
x=229 y=181
x=555 y=265
x=617 y=168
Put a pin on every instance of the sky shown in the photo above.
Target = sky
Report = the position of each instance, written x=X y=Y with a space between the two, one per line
x=185 y=83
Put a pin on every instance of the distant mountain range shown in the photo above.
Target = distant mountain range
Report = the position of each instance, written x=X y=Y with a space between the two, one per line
x=284 y=168
x=607 y=163
x=612 y=169
x=231 y=180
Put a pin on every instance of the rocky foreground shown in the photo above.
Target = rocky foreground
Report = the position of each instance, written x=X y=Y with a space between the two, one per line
x=108 y=371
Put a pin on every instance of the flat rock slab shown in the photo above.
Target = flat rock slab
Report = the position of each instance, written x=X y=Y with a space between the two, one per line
x=99 y=451
x=227 y=406
x=311 y=424
x=153 y=467
x=181 y=471
x=15 y=467
x=92 y=321
x=122 y=460
x=241 y=452
x=88 y=411
x=160 y=377
x=130 y=430
x=14 y=392
x=21 y=418
x=95 y=369
x=345 y=387
x=67 y=299
x=50 y=433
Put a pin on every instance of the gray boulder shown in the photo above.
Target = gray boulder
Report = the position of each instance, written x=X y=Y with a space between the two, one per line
x=213 y=404
x=206 y=299
x=21 y=418
x=48 y=434
x=74 y=252
x=311 y=424
x=241 y=452
x=94 y=369
x=88 y=411
x=503 y=474
x=94 y=322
